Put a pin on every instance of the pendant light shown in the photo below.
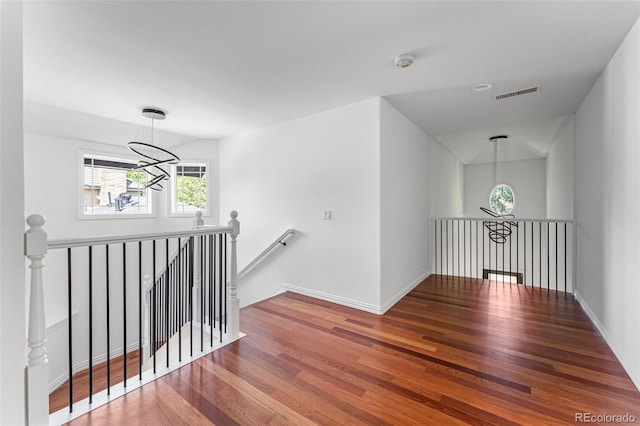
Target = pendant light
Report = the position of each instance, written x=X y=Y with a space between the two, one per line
x=152 y=146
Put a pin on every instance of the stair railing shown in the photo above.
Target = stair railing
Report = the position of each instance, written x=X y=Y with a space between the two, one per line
x=279 y=242
x=115 y=286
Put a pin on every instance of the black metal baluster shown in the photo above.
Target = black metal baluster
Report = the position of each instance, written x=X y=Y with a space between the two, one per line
x=524 y=246
x=435 y=245
x=69 y=321
x=447 y=244
x=477 y=263
x=511 y=253
x=548 y=262
x=218 y=290
x=179 y=286
x=532 y=257
x=90 y=324
x=489 y=252
x=108 y=325
x=483 y=252
x=166 y=294
x=496 y=268
x=124 y=313
x=201 y=294
x=140 y=335
x=174 y=295
x=503 y=262
x=191 y=243
x=540 y=253
x=565 y=260
x=153 y=317
x=210 y=268
x=224 y=283
x=458 y=248
x=518 y=249
x=557 y=286
x=464 y=248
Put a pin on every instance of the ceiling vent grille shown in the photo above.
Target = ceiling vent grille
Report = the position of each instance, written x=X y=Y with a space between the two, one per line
x=517 y=93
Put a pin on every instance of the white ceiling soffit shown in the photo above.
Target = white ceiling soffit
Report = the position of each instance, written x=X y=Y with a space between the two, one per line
x=526 y=141
x=220 y=68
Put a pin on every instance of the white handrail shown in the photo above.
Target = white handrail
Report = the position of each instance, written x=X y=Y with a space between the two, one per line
x=95 y=241
x=276 y=243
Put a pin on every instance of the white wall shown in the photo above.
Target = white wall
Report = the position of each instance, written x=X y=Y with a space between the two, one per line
x=53 y=189
x=12 y=225
x=445 y=182
x=607 y=132
x=285 y=176
x=528 y=182
x=404 y=204
x=445 y=189
x=560 y=172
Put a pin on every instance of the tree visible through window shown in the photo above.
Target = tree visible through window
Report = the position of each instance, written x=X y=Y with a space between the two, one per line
x=190 y=188
x=501 y=199
x=111 y=186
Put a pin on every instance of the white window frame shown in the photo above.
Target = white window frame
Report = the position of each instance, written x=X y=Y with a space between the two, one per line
x=109 y=156
x=172 y=197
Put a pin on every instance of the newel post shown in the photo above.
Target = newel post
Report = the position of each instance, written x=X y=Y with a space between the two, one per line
x=233 y=304
x=37 y=375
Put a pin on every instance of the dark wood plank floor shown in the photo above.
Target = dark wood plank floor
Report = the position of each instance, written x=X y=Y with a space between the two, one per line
x=454 y=351
x=59 y=398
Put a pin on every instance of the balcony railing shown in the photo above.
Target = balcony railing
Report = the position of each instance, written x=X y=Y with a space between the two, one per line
x=533 y=252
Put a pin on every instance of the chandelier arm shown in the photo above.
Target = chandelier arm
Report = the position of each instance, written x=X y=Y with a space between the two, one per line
x=131 y=145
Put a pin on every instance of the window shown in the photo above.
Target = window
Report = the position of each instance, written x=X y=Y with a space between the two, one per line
x=501 y=199
x=504 y=276
x=189 y=189
x=112 y=187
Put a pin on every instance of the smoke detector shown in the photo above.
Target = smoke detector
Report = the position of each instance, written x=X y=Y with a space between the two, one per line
x=482 y=87
x=403 y=61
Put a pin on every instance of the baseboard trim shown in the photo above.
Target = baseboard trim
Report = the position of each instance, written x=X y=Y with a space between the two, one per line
x=83 y=365
x=367 y=307
x=615 y=348
x=402 y=293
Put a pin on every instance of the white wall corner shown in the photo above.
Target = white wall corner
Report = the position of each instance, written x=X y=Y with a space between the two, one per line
x=633 y=373
x=402 y=293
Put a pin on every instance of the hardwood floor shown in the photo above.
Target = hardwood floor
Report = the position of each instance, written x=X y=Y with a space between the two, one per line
x=59 y=398
x=453 y=351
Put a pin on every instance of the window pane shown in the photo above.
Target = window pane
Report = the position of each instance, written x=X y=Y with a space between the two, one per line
x=501 y=199
x=113 y=187
x=190 y=188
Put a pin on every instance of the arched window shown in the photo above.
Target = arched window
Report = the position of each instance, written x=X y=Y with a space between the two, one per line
x=502 y=199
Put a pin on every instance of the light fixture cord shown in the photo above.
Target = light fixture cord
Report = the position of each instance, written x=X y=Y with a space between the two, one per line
x=494 y=176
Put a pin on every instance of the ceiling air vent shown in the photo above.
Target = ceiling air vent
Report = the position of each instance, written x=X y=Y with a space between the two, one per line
x=517 y=93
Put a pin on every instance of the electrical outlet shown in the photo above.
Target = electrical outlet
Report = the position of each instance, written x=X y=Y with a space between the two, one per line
x=327 y=215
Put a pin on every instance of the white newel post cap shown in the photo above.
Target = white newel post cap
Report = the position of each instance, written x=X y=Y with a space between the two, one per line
x=35 y=237
x=198 y=221
x=234 y=223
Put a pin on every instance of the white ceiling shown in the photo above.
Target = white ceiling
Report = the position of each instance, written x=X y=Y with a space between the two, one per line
x=220 y=68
